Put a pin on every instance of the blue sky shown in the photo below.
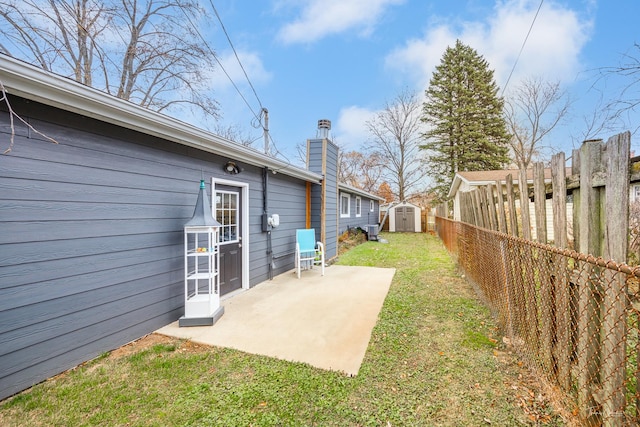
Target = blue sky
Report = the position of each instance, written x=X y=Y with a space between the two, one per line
x=342 y=59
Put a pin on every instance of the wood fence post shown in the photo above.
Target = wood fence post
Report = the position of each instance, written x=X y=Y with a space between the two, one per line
x=575 y=233
x=471 y=212
x=523 y=187
x=502 y=219
x=469 y=207
x=465 y=209
x=540 y=202
x=545 y=273
x=493 y=214
x=614 y=321
x=484 y=203
x=531 y=301
x=561 y=282
x=511 y=203
x=473 y=208
x=589 y=297
x=575 y=171
x=477 y=208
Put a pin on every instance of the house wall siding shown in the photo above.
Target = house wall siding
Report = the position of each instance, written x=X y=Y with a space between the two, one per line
x=323 y=158
x=286 y=197
x=331 y=201
x=366 y=216
x=91 y=254
x=314 y=163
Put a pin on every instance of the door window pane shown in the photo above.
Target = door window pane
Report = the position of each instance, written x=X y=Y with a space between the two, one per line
x=226 y=213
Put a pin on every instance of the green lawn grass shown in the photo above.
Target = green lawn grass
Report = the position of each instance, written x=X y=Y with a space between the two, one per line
x=431 y=361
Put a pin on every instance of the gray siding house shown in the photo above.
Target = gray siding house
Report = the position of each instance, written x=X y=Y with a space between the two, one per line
x=91 y=249
x=323 y=158
x=357 y=208
x=353 y=207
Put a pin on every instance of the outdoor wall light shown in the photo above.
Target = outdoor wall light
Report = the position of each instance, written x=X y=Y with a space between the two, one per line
x=232 y=168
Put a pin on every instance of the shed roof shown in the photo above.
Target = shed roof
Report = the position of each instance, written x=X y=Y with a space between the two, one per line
x=30 y=82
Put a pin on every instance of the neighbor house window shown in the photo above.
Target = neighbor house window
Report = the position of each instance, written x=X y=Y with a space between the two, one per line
x=345 y=208
x=636 y=192
x=371 y=206
x=358 y=206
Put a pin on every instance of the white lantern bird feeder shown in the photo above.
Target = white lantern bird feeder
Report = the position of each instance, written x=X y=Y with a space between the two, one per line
x=201 y=266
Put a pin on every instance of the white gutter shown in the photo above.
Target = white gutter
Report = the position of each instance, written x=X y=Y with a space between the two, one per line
x=30 y=82
x=350 y=189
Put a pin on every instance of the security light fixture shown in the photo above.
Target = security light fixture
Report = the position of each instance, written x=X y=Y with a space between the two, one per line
x=232 y=168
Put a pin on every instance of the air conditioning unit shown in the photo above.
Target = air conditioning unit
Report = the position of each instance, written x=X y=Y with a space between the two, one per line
x=372 y=232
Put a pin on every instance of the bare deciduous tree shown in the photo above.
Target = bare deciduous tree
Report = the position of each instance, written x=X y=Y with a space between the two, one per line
x=236 y=134
x=532 y=110
x=396 y=132
x=4 y=99
x=620 y=112
x=360 y=170
x=145 y=51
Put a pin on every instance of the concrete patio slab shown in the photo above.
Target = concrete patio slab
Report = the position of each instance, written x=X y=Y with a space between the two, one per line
x=325 y=321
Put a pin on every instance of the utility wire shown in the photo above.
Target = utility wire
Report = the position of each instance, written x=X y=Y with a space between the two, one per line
x=262 y=109
x=522 y=47
x=235 y=53
x=257 y=117
x=220 y=64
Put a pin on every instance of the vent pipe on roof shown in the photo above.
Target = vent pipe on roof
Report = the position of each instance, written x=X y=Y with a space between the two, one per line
x=324 y=126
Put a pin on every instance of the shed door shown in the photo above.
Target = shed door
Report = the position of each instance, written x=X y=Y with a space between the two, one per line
x=405 y=218
x=228 y=213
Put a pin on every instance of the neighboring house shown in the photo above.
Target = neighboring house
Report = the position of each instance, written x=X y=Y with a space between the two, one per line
x=357 y=208
x=92 y=227
x=468 y=181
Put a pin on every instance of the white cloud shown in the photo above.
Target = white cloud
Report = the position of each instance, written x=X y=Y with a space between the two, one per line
x=251 y=62
x=552 y=49
x=350 y=132
x=320 y=18
x=419 y=57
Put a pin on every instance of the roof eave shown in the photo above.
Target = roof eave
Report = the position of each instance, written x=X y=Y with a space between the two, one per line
x=351 y=189
x=455 y=184
x=30 y=82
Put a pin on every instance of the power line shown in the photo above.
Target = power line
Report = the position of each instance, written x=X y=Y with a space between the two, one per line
x=257 y=121
x=235 y=53
x=263 y=110
x=522 y=47
x=220 y=64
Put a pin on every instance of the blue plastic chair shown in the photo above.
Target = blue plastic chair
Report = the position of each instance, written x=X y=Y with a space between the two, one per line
x=308 y=251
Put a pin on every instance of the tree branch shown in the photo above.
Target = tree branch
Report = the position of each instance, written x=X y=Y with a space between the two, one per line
x=12 y=114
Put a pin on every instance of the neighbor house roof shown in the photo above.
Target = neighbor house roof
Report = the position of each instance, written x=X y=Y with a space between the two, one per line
x=478 y=178
x=354 y=190
x=33 y=83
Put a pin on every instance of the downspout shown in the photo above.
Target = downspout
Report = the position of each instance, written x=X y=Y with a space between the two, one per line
x=265 y=214
x=308 y=206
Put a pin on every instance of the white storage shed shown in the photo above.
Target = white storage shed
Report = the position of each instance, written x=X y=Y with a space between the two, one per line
x=405 y=217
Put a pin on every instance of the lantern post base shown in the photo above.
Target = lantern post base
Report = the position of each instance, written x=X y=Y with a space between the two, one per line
x=201 y=321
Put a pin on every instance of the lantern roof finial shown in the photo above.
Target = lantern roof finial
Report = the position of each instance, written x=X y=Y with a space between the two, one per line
x=202 y=213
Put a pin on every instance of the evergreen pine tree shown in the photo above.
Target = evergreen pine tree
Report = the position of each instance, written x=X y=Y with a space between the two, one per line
x=464 y=114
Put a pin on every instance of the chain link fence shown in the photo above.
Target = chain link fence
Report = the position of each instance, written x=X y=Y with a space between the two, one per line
x=574 y=319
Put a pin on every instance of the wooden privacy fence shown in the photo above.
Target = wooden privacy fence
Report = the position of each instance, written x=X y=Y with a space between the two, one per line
x=571 y=309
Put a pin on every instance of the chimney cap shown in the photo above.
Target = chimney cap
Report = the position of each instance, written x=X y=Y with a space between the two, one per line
x=324 y=124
